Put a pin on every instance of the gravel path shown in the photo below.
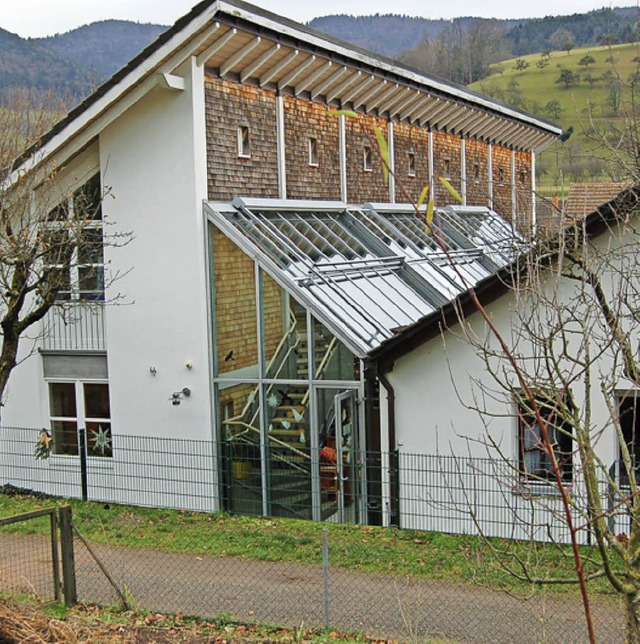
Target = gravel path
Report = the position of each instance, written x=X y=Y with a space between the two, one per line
x=291 y=594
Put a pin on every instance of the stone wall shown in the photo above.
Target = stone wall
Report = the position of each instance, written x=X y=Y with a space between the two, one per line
x=524 y=186
x=230 y=105
x=501 y=164
x=364 y=185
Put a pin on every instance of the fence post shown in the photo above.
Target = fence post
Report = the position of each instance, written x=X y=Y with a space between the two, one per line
x=325 y=569
x=55 y=559
x=68 y=560
x=82 y=446
x=396 y=484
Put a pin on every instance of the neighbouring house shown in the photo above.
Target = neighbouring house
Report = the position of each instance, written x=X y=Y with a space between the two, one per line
x=554 y=214
x=280 y=300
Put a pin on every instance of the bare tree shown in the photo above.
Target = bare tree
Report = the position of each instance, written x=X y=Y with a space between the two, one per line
x=45 y=231
x=618 y=137
x=567 y=363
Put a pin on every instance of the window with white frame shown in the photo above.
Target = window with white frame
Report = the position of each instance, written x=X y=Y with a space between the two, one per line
x=75 y=244
x=535 y=463
x=367 y=158
x=411 y=164
x=313 y=151
x=80 y=405
x=244 y=142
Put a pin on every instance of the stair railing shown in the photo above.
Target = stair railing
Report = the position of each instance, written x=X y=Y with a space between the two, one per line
x=291 y=333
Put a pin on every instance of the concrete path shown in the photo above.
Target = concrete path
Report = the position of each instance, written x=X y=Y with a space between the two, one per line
x=291 y=594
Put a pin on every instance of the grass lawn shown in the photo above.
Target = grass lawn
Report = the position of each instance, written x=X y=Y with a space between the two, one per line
x=462 y=559
x=583 y=105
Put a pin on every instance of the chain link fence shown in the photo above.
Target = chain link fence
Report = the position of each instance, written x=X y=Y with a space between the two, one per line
x=440 y=494
x=403 y=608
x=291 y=594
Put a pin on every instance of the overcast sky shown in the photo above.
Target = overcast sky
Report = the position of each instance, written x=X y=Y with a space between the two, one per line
x=46 y=17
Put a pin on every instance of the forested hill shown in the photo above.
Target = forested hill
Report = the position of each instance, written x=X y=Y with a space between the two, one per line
x=387 y=34
x=103 y=47
x=460 y=50
x=26 y=64
x=600 y=27
x=393 y=34
x=74 y=62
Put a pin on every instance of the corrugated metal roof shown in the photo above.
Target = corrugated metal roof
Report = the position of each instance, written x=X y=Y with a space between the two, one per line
x=368 y=272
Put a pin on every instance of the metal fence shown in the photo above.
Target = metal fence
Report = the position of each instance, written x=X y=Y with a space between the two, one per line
x=39 y=563
x=459 y=495
x=291 y=594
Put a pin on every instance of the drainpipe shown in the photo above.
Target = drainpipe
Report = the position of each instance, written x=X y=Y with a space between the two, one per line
x=394 y=489
x=391 y=399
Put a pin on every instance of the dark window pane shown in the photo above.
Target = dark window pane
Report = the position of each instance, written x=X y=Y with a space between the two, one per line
x=62 y=396
x=65 y=436
x=91 y=283
x=87 y=200
x=55 y=246
x=90 y=248
x=59 y=213
x=96 y=401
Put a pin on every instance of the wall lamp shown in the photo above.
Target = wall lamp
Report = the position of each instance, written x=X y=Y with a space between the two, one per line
x=176 y=396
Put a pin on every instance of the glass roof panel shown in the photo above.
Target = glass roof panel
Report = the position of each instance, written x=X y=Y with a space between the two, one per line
x=370 y=272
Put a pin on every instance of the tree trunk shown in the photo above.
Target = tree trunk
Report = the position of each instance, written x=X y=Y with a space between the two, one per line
x=632 y=615
x=8 y=357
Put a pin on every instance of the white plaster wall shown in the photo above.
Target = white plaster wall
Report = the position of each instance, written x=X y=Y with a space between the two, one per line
x=153 y=159
x=437 y=390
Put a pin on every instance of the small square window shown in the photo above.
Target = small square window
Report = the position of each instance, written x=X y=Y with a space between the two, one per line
x=244 y=142
x=313 y=151
x=411 y=164
x=367 y=158
x=447 y=168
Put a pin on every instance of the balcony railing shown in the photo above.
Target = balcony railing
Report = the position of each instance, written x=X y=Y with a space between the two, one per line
x=76 y=327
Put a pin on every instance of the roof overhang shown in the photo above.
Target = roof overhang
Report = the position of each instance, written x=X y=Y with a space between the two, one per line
x=600 y=221
x=240 y=42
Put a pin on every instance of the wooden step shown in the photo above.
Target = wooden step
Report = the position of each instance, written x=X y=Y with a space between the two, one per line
x=285 y=419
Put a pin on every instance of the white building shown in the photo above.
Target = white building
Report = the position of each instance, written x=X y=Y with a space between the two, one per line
x=278 y=308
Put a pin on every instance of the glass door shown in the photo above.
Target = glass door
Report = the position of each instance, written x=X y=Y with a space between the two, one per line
x=340 y=458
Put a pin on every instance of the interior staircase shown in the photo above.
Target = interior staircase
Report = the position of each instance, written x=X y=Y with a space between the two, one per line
x=288 y=449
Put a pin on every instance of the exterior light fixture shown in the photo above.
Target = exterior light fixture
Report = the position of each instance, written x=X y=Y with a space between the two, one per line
x=176 y=396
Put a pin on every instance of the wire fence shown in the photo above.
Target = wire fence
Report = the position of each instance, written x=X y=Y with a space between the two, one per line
x=458 y=495
x=30 y=564
x=324 y=595
x=417 y=491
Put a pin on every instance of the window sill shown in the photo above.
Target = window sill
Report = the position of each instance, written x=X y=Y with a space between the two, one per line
x=72 y=462
x=537 y=489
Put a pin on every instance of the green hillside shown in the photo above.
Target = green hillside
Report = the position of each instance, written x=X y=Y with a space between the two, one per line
x=585 y=89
